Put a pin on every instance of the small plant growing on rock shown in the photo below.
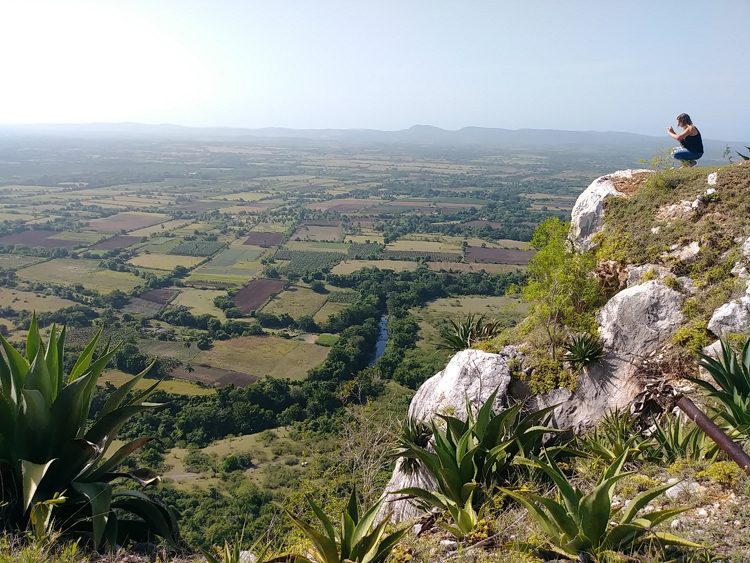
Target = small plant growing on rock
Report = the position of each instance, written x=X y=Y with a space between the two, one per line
x=584 y=350
x=413 y=432
x=726 y=473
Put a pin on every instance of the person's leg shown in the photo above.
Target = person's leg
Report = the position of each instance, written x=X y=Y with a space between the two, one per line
x=682 y=154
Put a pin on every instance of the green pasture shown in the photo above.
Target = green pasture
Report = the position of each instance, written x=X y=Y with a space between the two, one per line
x=295 y=301
x=71 y=272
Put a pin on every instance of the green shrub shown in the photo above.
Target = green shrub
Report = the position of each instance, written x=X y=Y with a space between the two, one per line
x=672 y=283
x=726 y=473
x=547 y=374
x=694 y=337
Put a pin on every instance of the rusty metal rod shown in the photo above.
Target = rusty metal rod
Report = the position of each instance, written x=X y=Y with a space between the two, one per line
x=731 y=448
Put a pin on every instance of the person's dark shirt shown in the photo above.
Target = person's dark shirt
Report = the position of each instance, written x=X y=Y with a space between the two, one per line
x=694 y=143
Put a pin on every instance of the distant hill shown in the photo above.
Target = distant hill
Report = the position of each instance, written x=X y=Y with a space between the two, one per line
x=418 y=135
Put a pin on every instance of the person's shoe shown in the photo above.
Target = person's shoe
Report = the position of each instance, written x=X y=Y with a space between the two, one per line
x=692 y=163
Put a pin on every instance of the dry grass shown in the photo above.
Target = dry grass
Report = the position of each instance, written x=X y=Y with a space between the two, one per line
x=165 y=261
x=297 y=302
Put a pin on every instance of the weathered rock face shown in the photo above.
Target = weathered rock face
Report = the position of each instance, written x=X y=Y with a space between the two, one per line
x=635 y=321
x=588 y=211
x=731 y=317
x=611 y=276
x=471 y=374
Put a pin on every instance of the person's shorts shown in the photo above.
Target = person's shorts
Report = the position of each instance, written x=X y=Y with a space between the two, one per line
x=681 y=153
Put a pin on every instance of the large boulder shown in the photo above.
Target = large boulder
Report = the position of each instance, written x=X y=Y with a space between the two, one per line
x=588 y=211
x=632 y=325
x=732 y=317
x=470 y=374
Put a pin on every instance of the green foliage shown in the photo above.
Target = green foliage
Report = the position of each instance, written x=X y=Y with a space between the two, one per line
x=457 y=336
x=672 y=283
x=547 y=374
x=343 y=297
x=48 y=446
x=744 y=157
x=694 y=336
x=560 y=287
x=472 y=457
x=615 y=246
x=578 y=524
x=362 y=251
x=673 y=440
x=726 y=473
x=731 y=372
x=584 y=350
x=357 y=542
x=616 y=436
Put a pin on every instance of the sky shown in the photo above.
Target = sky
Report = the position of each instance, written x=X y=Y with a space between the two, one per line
x=614 y=65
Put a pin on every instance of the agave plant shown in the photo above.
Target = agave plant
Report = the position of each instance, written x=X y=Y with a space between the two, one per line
x=472 y=456
x=578 y=524
x=674 y=441
x=49 y=447
x=583 y=351
x=357 y=541
x=457 y=336
x=616 y=435
x=413 y=432
x=731 y=372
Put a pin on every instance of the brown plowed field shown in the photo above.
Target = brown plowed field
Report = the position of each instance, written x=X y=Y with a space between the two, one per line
x=254 y=294
x=38 y=238
x=212 y=375
x=498 y=255
x=160 y=296
x=120 y=241
x=259 y=238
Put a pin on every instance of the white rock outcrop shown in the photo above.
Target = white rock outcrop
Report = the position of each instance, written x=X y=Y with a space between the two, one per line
x=588 y=211
x=732 y=317
x=636 y=320
x=471 y=374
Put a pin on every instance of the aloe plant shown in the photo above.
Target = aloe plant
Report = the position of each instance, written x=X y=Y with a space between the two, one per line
x=674 y=441
x=413 y=432
x=49 y=447
x=472 y=456
x=578 y=524
x=357 y=540
x=731 y=372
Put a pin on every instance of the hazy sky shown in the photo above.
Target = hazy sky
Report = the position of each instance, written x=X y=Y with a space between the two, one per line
x=603 y=65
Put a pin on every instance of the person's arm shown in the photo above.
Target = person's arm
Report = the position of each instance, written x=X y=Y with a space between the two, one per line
x=682 y=135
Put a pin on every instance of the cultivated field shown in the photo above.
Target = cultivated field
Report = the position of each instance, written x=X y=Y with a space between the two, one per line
x=176 y=386
x=165 y=261
x=255 y=294
x=318 y=233
x=16 y=261
x=498 y=255
x=344 y=205
x=261 y=238
x=20 y=300
x=200 y=302
x=295 y=301
x=128 y=221
x=119 y=241
x=161 y=227
x=264 y=355
x=87 y=273
x=349 y=266
x=41 y=238
x=327 y=310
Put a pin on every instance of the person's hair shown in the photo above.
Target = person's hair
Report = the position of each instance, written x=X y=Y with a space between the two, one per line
x=684 y=119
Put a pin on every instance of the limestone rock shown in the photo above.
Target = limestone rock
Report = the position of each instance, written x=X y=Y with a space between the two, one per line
x=635 y=321
x=731 y=317
x=711 y=180
x=686 y=254
x=588 y=211
x=470 y=373
x=681 y=210
x=745 y=249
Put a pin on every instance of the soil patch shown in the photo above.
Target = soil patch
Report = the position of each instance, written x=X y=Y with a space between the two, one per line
x=628 y=186
x=255 y=294
x=260 y=238
x=161 y=296
x=498 y=255
x=214 y=376
x=41 y=238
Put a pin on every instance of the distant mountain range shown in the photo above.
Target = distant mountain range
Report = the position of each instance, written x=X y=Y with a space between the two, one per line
x=416 y=135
